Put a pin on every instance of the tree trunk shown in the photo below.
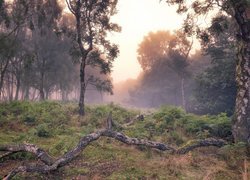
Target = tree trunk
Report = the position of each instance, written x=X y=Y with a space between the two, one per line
x=84 y=54
x=27 y=92
x=41 y=91
x=183 y=94
x=10 y=85
x=2 y=76
x=1 y=83
x=46 y=94
x=17 y=88
x=41 y=88
x=241 y=124
x=82 y=90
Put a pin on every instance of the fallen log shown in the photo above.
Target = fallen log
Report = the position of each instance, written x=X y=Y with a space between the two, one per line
x=31 y=148
x=50 y=164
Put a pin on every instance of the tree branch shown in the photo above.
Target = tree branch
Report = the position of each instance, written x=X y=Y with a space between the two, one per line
x=70 y=7
x=51 y=165
x=31 y=148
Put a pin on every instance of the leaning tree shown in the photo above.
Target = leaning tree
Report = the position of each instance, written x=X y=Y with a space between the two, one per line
x=93 y=23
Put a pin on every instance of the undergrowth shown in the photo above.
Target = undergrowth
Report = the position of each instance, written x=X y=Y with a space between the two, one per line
x=57 y=128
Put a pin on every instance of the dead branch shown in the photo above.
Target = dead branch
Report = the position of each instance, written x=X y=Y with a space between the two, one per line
x=201 y=143
x=31 y=148
x=5 y=155
x=51 y=165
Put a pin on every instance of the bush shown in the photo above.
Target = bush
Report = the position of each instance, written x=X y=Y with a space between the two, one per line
x=169 y=114
x=43 y=130
x=216 y=126
x=30 y=120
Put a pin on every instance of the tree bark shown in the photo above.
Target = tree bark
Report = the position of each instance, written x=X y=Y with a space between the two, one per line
x=241 y=124
x=183 y=94
x=17 y=88
x=2 y=76
x=83 y=58
x=27 y=92
x=82 y=90
x=41 y=90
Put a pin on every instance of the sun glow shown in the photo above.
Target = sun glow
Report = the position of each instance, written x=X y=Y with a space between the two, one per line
x=137 y=18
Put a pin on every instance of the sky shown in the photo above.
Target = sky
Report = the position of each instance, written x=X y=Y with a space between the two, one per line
x=137 y=18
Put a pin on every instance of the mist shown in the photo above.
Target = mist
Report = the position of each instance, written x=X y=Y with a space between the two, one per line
x=42 y=61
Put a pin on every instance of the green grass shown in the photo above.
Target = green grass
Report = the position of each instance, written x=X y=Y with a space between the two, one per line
x=57 y=128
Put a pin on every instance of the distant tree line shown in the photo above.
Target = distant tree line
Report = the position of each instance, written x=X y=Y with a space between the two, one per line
x=202 y=82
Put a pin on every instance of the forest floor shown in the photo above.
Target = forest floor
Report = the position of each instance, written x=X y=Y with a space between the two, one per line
x=57 y=128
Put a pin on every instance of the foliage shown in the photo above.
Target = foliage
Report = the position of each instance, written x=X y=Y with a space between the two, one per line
x=35 y=53
x=159 y=45
x=172 y=120
x=43 y=131
x=163 y=58
x=111 y=159
x=215 y=88
x=93 y=23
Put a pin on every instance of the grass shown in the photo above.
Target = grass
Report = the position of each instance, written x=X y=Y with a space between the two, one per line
x=57 y=128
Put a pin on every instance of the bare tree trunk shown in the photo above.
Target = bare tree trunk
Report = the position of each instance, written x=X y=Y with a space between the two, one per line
x=82 y=90
x=27 y=92
x=46 y=95
x=1 y=84
x=9 y=85
x=33 y=95
x=42 y=96
x=17 y=88
x=183 y=93
x=241 y=124
x=41 y=88
x=3 y=71
x=183 y=79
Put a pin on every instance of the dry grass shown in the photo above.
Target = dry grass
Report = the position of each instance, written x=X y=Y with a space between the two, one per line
x=245 y=173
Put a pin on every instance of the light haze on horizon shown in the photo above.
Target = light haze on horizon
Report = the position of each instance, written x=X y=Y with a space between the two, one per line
x=137 y=18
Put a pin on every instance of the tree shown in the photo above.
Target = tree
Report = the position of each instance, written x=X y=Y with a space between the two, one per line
x=215 y=88
x=239 y=10
x=153 y=47
x=92 y=26
x=163 y=58
x=3 y=12
x=44 y=19
x=7 y=50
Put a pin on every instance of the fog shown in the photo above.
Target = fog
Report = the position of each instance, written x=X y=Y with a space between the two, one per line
x=43 y=60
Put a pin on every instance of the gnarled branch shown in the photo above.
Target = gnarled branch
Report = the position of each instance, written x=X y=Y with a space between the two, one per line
x=31 y=148
x=51 y=165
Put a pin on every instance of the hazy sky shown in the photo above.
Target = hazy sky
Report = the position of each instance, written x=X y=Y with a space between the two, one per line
x=137 y=18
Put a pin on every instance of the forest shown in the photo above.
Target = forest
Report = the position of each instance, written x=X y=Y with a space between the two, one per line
x=63 y=114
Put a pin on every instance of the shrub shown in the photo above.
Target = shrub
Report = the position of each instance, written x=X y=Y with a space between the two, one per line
x=43 y=130
x=30 y=120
